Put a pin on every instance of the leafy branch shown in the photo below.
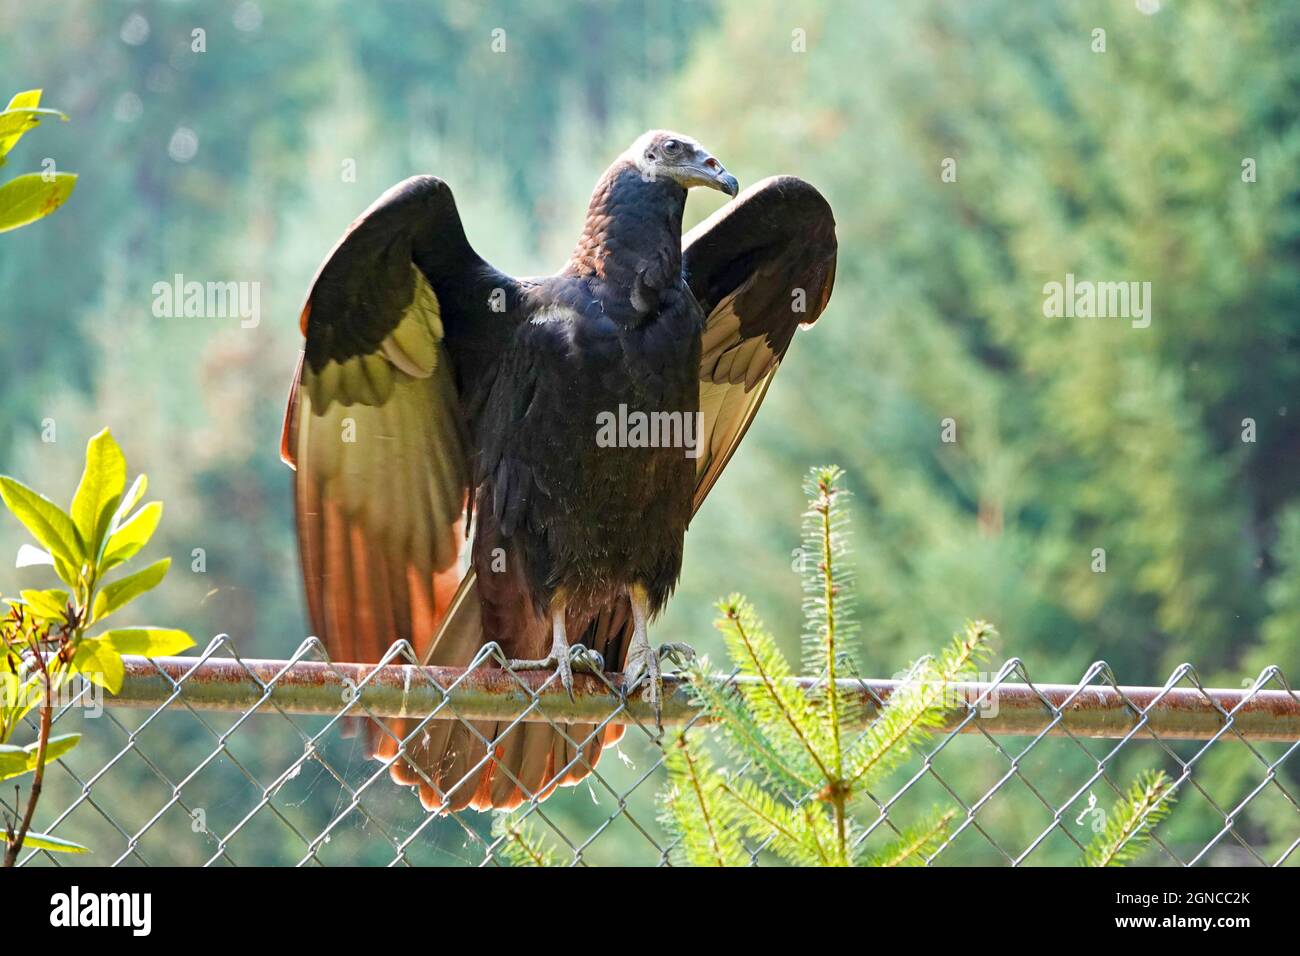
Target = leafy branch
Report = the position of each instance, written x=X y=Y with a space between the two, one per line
x=45 y=636
x=31 y=196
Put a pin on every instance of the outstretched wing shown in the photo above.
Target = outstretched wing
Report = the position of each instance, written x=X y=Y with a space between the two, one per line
x=401 y=314
x=760 y=267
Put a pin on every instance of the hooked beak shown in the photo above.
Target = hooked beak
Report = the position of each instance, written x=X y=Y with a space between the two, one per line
x=709 y=172
x=728 y=184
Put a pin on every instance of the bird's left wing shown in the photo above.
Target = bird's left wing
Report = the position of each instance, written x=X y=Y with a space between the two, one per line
x=400 y=313
x=760 y=267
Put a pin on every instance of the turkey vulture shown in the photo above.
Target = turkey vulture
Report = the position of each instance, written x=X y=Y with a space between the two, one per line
x=578 y=420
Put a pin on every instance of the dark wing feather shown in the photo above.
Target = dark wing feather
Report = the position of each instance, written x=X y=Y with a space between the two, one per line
x=760 y=267
x=399 y=316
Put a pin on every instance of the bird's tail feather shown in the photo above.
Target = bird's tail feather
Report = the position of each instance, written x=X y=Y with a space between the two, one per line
x=497 y=765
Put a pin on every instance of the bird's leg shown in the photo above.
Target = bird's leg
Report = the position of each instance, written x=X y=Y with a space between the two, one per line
x=642 y=665
x=562 y=657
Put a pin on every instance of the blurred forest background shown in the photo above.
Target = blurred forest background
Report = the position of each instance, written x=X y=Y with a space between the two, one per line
x=1073 y=434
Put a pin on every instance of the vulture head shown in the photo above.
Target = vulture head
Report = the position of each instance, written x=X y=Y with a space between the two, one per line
x=663 y=154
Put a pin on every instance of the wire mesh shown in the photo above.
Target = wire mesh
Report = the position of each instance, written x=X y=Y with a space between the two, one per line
x=215 y=760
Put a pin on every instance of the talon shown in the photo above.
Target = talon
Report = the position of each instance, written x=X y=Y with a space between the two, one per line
x=560 y=658
x=586 y=659
x=676 y=652
x=644 y=670
x=564 y=670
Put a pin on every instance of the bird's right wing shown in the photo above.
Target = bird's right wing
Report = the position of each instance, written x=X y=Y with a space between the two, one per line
x=760 y=267
x=400 y=314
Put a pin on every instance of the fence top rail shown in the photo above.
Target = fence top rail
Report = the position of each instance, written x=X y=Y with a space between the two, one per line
x=489 y=692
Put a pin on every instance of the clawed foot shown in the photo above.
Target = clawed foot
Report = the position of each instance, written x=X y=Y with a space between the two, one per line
x=642 y=668
x=564 y=661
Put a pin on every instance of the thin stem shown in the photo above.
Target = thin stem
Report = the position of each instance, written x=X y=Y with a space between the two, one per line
x=34 y=794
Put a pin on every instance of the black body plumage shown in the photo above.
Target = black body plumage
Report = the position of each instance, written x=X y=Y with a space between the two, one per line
x=617 y=331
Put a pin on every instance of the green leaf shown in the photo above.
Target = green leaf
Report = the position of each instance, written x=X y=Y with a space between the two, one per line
x=21 y=115
x=99 y=663
x=147 y=641
x=131 y=536
x=67 y=573
x=25 y=99
x=51 y=605
x=32 y=196
x=15 y=122
x=43 y=841
x=15 y=761
x=100 y=490
x=49 y=524
x=120 y=592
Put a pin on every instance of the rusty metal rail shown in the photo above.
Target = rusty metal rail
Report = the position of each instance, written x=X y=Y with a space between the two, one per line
x=490 y=693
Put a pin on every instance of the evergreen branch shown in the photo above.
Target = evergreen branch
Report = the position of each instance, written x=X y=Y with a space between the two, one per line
x=1128 y=830
x=693 y=775
x=914 y=842
x=794 y=834
x=917 y=707
x=743 y=733
x=823 y=495
x=755 y=654
x=523 y=845
x=693 y=811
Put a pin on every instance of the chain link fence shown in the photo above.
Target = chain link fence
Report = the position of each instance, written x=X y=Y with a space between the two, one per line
x=218 y=760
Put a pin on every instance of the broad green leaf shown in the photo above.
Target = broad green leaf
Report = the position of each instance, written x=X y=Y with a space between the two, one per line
x=29 y=197
x=15 y=122
x=100 y=490
x=30 y=556
x=44 y=841
x=115 y=595
x=27 y=99
x=99 y=663
x=132 y=535
x=15 y=761
x=51 y=605
x=48 y=523
x=67 y=572
x=12 y=129
x=147 y=641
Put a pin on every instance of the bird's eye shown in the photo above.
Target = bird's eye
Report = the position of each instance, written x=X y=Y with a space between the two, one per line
x=670 y=146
